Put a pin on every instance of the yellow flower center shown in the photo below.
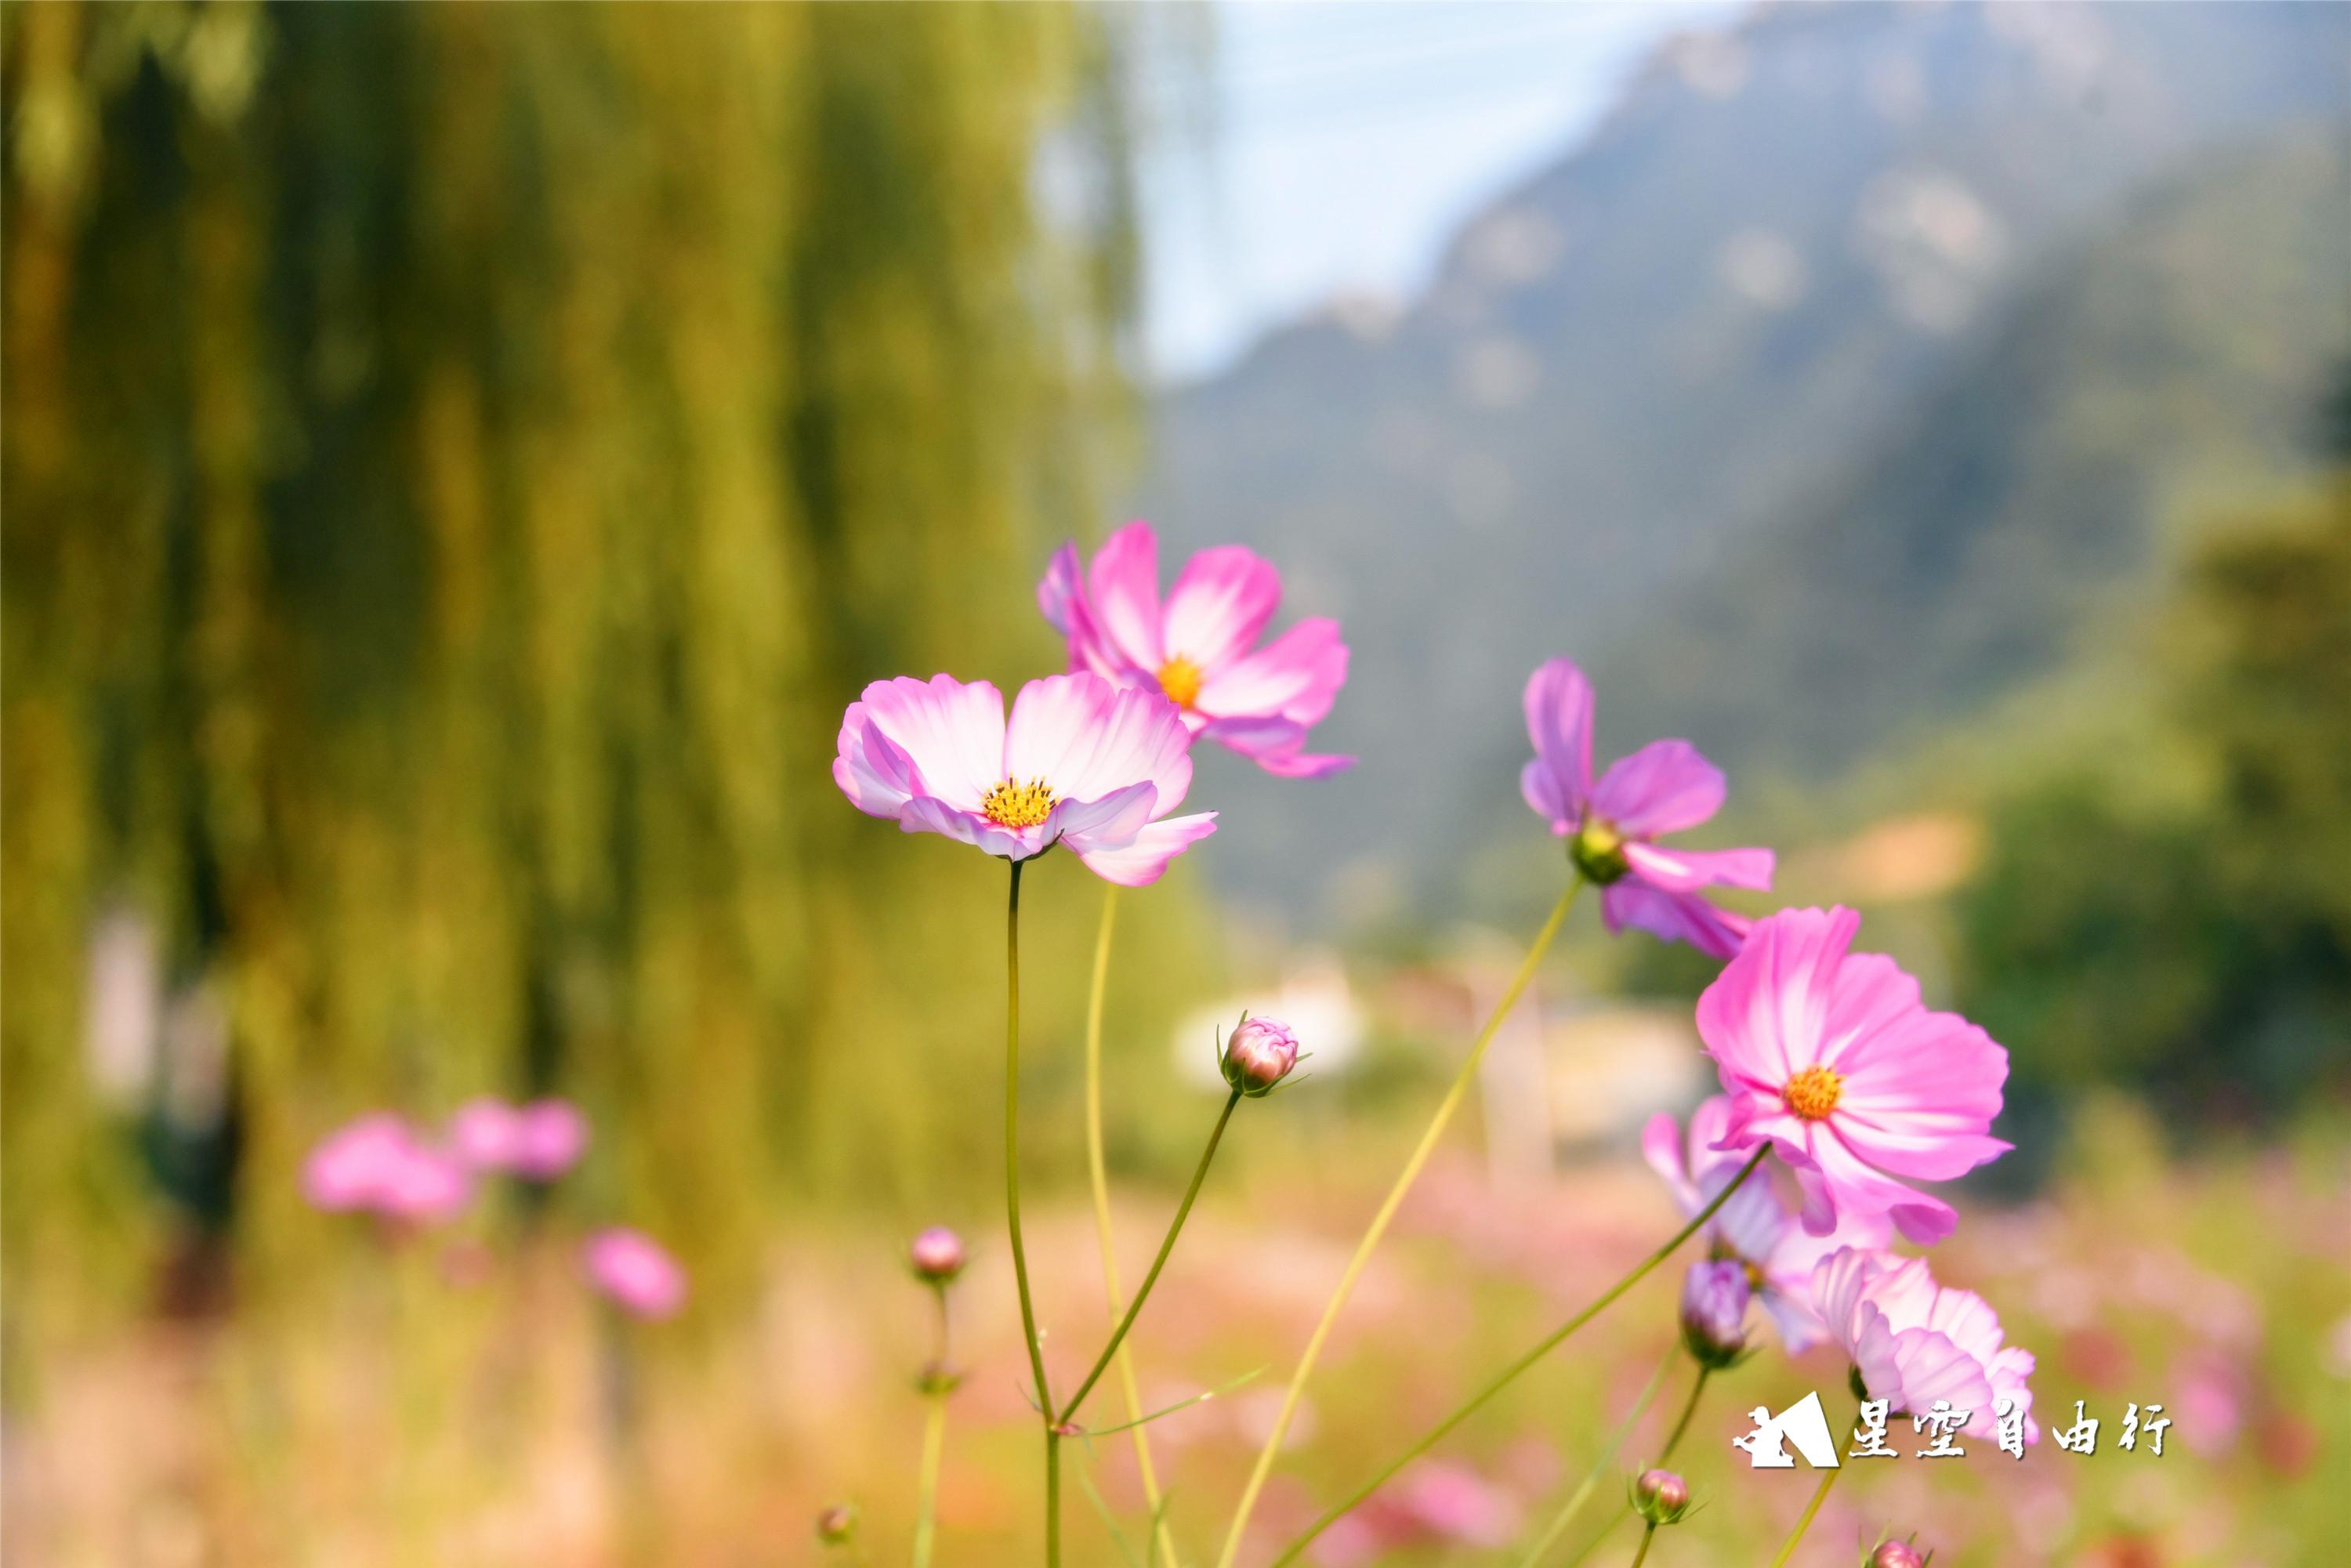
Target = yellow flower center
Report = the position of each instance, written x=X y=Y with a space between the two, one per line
x=1179 y=677
x=1013 y=804
x=1814 y=1092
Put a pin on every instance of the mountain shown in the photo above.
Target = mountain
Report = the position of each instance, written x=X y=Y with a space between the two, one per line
x=1658 y=366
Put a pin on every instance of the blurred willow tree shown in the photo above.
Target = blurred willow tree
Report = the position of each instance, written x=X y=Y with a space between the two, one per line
x=458 y=461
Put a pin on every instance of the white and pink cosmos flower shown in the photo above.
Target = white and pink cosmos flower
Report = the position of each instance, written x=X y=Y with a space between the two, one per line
x=1833 y=1057
x=1198 y=646
x=1757 y=1226
x=1081 y=763
x=635 y=1272
x=379 y=1165
x=1911 y=1341
x=1612 y=826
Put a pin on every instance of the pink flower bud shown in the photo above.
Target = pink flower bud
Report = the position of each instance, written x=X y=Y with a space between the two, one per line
x=1714 y=1311
x=1258 y=1055
x=938 y=1254
x=837 y=1525
x=1660 y=1497
x=1895 y=1555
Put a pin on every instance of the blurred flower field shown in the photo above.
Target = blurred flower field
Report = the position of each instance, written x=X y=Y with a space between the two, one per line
x=485 y=1409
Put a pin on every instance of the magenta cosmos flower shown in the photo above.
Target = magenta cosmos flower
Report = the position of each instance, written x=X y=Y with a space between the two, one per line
x=1198 y=646
x=378 y=1164
x=1081 y=763
x=1911 y=1341
x=634 y=1271
x=1612 y=826
x=1832 y=1056
x=537 y=1142
x=1758 y=1227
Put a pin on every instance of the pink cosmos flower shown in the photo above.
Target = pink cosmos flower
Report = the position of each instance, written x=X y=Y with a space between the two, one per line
x=485 y=1133
x=1758 y=1227
x=377 y=1165
x=1832 y=1056
x=1663 y=787
x=1199 y=647
x=1912 y=1341
x=634 y=1271
x=1081 y=763
x=550 y=1137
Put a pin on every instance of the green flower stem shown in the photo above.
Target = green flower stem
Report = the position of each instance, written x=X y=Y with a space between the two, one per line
x=1175 y=1229
x=1641 y=1553
x=1688 y=1410
x=1582 y=1493
x=1509 y=1373
x=1381 y=1220
x=1097 y=1172
x=935 y=1433
x=1012 y=1216
x=1820 y=1495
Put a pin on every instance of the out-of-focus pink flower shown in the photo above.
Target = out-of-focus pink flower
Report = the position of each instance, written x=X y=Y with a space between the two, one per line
x=1833 y=1057
x=378 y=1164
x=487 y=1134
x=1912 y=1341
x=938 y=1254
x=1715 y=1294
x=348 y=1169
x=1454 y=1503
x=550 y=1137
x=1756 y=1226
x=1081 y=763
x=2210 y=1391
x=1199 y=647
x=1663 y=787
x=634 y=1271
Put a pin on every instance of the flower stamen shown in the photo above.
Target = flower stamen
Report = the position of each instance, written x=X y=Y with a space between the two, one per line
x=1814 y=1092
x=1014 y=804
x=1180 y=678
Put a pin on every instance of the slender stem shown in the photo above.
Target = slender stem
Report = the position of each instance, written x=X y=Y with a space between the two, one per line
x=1820 y=1493
x=1012 y=1213
x=1098 y=1175
x=1174 y=1227
x=935 y=1433
x=1577 y=1499
x=1688 y=1410
x=1641 y=1553
x=1052 y=1495
x=1379 y=1226
x=1509 y=1373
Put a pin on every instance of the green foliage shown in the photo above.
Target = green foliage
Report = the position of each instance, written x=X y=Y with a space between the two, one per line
x=2201 y=956
x=459 y=461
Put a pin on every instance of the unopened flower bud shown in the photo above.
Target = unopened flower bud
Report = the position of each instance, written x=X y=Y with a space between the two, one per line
x=1660 y=1497
x=938 y=1254
x=1258 y=1055
x=936 y=1380
x=1714 y=1311
x=837 y=1526
x=1895 y=1555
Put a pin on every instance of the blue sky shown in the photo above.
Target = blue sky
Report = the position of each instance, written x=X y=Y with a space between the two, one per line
x=1327 y=148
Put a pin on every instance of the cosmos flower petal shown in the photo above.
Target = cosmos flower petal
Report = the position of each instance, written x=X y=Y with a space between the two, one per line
x=1220 y=606
x=1125 y=596
x=1559 y=709
x=1849 y=1182
x=951 y=733
x=1140 y=862
x=1661 y=1145
x=928 y=814
x=1109 y=822
x=1055 y=732
x=1295 y=676
x=1687 y=871
x=1663 y=787
x=1276 y=746
x=1062 y=589
x=1674 y=917
x=876 y=775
